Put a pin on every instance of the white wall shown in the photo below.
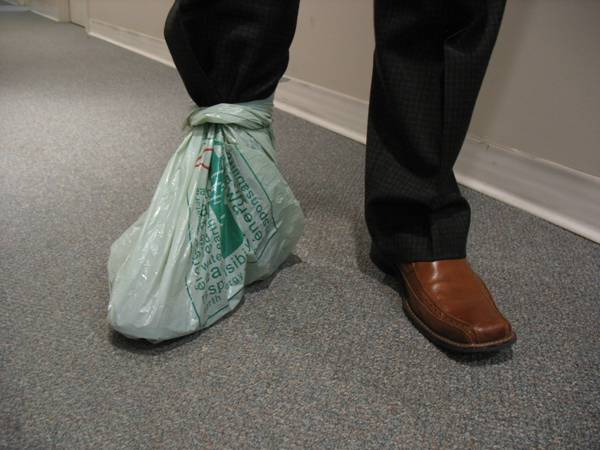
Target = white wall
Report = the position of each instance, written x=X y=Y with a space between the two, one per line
x=55 y=9
x=144 y=16
x=542 y=91
x=334 y=44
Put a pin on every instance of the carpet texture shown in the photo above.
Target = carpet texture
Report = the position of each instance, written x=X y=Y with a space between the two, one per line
x=318 y=356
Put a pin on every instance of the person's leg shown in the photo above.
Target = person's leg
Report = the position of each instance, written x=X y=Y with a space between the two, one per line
x=230 y=51
x=430 y=59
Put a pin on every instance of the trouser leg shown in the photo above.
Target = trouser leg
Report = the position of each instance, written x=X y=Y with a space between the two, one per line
x=429 y=62
x=230 y=51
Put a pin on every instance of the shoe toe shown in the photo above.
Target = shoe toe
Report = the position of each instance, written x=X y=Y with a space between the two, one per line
x=493 y=332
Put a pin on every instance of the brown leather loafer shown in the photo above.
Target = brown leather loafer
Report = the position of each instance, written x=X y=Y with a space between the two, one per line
x=448 y=302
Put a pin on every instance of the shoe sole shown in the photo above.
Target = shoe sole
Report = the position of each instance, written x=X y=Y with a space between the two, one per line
x=434 y=337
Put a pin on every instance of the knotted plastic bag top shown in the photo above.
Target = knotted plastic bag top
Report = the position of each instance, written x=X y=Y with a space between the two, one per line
x=254 y=117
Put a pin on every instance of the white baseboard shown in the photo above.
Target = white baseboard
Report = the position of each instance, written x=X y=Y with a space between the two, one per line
x=329 y=109
x=16 y=6
x=47 y=16
x=558 y=194
x=563 y=196
x=12 y=8
x=57 y=10
x=143 y=44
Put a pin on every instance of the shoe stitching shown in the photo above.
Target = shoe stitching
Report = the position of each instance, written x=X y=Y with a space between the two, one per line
x=429 y=304
x=473 y=345
x=491 y=301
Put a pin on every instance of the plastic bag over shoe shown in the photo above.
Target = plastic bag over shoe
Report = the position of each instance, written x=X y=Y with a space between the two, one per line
x=221 y=218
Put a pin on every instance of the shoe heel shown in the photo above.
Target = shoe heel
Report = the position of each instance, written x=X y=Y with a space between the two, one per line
x=380 y=261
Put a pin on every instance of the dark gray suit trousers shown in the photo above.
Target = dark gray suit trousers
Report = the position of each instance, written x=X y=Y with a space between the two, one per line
x=428 y=66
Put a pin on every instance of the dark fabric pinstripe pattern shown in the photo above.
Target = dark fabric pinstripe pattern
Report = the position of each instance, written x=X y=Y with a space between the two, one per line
x=231 y=51
x=429 y=62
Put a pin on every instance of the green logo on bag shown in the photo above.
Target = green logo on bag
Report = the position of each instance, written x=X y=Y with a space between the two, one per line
x=231 y=235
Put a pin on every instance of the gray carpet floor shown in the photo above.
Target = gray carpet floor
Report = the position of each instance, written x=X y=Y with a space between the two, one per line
x=318 y=356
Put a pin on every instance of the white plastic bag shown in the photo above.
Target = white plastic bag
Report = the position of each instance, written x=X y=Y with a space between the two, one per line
x=221 y=218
